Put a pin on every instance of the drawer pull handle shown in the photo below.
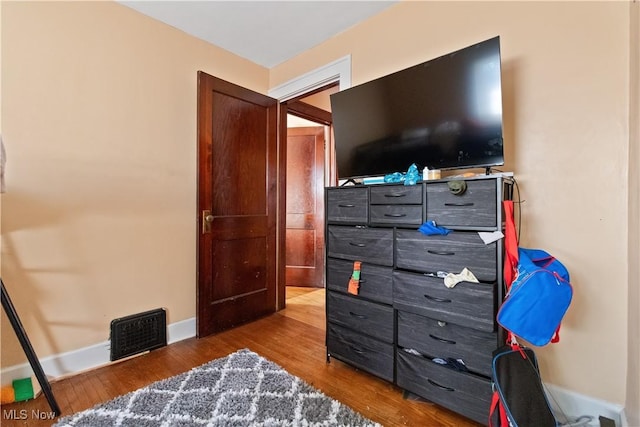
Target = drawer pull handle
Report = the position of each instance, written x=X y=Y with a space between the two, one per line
x=394 y=195
x=436 y=299
x=346 y=206
x=459 y=205
x=397 y=215
x=440 y=386
x=444 y=340
x=359 y=245
x=359 y=316
x=432 y=252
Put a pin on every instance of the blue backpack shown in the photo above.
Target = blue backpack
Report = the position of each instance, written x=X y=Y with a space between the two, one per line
x=537 y=299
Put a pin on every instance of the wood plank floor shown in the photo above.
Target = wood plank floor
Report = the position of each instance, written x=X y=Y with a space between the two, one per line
x=293 y=338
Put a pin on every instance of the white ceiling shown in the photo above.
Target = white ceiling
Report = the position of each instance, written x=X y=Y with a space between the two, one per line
x=266 y=32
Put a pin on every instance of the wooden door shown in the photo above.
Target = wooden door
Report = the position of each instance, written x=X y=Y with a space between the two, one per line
x=305 y=207
x=237 y=200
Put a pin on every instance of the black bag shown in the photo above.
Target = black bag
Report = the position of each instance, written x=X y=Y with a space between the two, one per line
x=518 y=397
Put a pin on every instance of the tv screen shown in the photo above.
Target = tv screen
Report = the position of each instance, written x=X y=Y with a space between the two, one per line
x=445 y=113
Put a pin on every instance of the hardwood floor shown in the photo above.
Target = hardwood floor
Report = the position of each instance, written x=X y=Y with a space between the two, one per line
x=293 y=338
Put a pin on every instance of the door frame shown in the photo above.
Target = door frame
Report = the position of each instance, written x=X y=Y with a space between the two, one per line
x=336 y=71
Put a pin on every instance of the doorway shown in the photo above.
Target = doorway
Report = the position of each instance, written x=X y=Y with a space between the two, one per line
x=304 y=242
x=337 y=73
x=309 y=169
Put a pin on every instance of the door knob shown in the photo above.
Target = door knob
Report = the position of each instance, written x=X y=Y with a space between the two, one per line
x=207 y=219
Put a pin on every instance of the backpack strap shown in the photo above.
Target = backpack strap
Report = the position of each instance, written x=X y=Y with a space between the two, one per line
x=511 y=256
x=496 y=405
x=510 y=244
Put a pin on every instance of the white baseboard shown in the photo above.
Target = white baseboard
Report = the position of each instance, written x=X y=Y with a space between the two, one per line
x=73 y=362
x=181 y=330
x=574 y=405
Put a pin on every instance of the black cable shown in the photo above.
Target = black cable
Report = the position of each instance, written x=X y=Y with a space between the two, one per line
x=519 y=202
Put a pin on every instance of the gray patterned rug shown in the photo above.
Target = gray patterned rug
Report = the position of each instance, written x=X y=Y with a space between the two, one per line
x=242 y=389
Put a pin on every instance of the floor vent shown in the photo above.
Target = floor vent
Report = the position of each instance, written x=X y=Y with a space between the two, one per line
x=138 y=333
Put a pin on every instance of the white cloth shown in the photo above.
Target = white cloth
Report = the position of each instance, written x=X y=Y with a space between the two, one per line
x=465 y=275
x=490 y=236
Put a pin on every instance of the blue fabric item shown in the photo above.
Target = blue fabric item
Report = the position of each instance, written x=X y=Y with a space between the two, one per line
x=413 y=175
x=430 y=229
x=394 y=177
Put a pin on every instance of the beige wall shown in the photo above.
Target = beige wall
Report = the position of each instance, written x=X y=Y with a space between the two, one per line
x=633 y=376
x=566 y=100
x=98 y=115
x=99 y=122
x=321 y=99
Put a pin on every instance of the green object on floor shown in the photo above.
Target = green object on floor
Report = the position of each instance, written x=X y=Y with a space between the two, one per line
x=23 y=389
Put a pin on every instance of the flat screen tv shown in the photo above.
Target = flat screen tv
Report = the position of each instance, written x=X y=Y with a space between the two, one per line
x=445 y=113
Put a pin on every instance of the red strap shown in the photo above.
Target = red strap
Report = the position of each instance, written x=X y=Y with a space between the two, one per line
x=511 y=340
x=520 y=350
x=510 y=244
x=549 y=260
x=511 y=254
x=495 y=403
x=503 y=417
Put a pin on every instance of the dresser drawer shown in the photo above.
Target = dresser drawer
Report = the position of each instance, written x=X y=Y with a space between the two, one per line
x=373 y=245
x=396 y=195
x=476 y=207
x=348 y=205
x=450 y=253
x=400 y=215
x=461 y=392
x=436 y=338
x=466 y=304
x=369 y=318
x=375 y=281
x=361 y=351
